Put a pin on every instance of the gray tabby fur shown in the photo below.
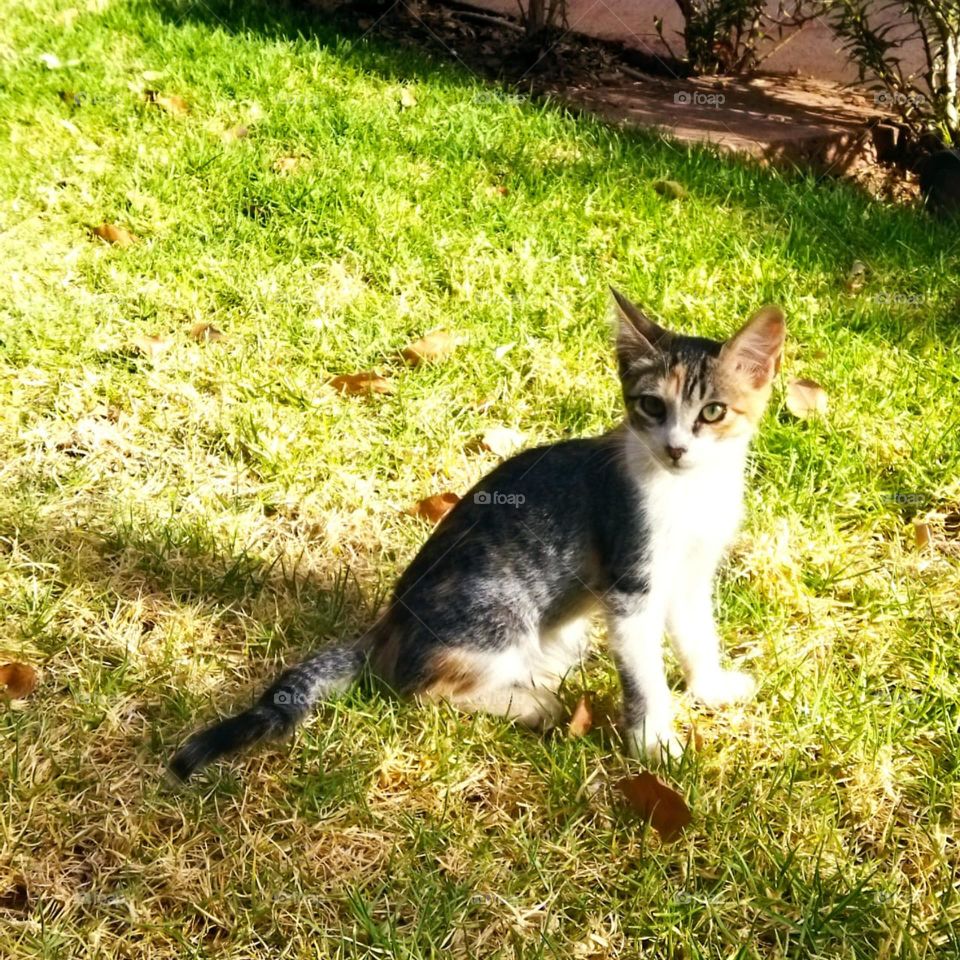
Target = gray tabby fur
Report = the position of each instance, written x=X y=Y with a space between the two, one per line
x=494 y=610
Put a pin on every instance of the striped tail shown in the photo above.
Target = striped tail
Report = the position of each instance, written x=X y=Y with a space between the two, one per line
x=285 y=704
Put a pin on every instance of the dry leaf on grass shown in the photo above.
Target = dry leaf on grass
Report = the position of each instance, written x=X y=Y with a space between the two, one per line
x=951 y=524
x=171 y=103
x=434 y=508
x=111 y=233
x=670 y=189
x=805 y=398
x=856 y=278
x=16 y=898
x=581 y=720
x=288 y=165
x=240 y=132
x=407 y=99
x=664 y=808
x=152 y=76
x=151 y=344
x=432 y=346
x=502 y=441
x=17 y=680
x=921 y=534
x=359 y=383
x=206 y=333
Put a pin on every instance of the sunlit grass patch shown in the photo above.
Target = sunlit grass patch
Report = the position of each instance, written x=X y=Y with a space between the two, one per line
x=175 y=523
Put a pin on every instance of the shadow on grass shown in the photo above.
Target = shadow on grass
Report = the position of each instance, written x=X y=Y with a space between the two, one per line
x=820 y=220
x=164 y=598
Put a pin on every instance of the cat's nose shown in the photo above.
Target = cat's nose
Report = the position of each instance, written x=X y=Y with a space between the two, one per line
x=675 y=453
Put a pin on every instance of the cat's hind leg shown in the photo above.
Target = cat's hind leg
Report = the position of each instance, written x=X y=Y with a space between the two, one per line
x=495 y=682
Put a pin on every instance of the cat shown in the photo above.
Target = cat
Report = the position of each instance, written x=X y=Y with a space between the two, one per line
x=494 y=610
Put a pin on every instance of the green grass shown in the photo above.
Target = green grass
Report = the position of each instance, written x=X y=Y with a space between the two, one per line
x=173 y=528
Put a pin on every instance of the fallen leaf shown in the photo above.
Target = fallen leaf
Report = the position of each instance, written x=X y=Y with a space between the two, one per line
x=503 y=350
x=432 y=346
x=661 y=805
x=669 y=189
x=856 y=277
x=206 y=333
x=151 y=345
x=286 y=165
x=50 y=60
x=152 y=76
x=18 y=680
x=921 y=534
x=806 y=398
x=356 y=383
x=257 y=211
x=581 y=720
x=407 y=99
x=171 y=103
x=111 y=233
x=502 y=441
x=16 y=899
x=434 y=508
x=240 y=132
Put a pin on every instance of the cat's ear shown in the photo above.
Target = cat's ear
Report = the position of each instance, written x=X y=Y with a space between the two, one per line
x=637 y=335
x=754 y=352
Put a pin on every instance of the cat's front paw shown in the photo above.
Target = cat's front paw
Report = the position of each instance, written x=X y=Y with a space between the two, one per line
x=653 y=742
x=723 y=687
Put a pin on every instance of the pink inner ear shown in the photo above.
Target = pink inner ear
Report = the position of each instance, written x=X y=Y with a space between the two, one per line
x=756 y=366
x=757 y=348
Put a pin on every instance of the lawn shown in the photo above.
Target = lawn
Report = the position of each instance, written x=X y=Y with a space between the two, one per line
x=179 y=516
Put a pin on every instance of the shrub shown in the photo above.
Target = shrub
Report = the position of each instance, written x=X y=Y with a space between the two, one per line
x=876 y=36
x=735 y=36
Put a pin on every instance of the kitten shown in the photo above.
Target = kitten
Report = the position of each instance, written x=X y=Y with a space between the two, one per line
x=494 y=610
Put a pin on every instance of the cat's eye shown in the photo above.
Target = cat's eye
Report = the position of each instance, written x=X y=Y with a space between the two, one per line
x=713 y=412
x=653 y=406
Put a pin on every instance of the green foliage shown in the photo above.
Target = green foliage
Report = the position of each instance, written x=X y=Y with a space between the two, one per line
x=876 y=37
x=735 y=36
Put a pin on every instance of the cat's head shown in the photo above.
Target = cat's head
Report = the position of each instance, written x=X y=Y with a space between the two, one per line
x=690 y=400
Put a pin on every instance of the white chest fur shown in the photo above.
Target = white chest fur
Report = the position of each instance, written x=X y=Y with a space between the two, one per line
x=692 y=515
